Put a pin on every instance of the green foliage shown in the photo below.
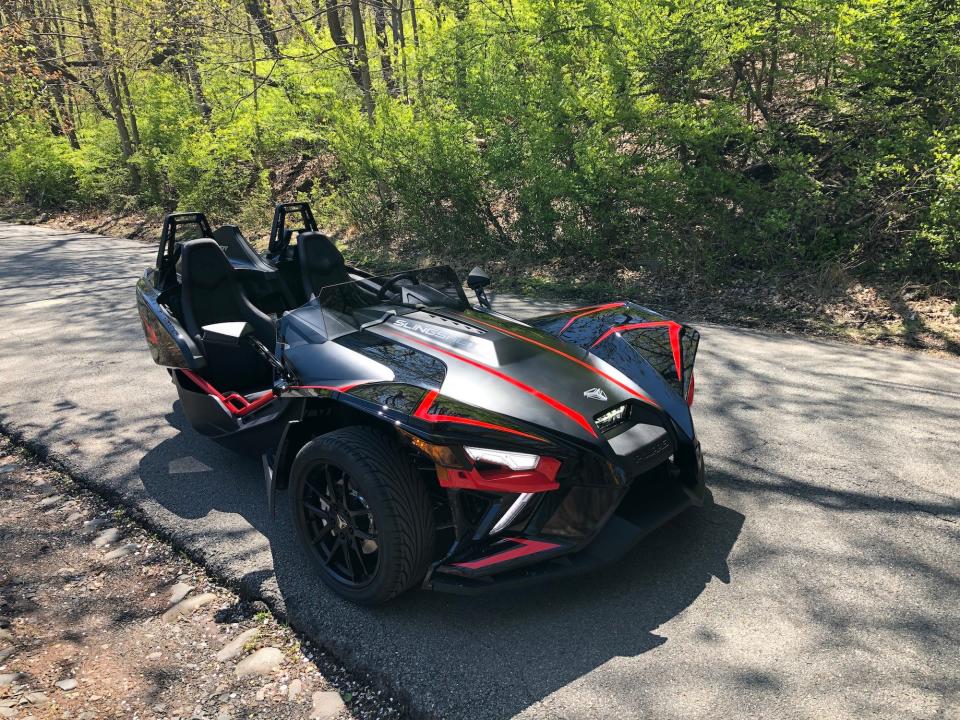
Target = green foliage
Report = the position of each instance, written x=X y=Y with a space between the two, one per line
x=100 y=174
x=418 y=178
x=942 y=229
x=706 y=138
x=37 y=169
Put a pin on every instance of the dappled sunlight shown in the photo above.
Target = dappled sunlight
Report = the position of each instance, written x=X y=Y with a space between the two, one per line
x=822 y=581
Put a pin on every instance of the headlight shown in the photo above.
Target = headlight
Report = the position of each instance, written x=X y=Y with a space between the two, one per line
x=614 y=416
x=506 y=458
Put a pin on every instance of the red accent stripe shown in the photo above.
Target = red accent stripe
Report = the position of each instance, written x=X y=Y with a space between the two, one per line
x=431 y=396
x=674 y=331
x=527 y=547
x=588 y=311
x=425 y=404
x=555 y=404
x=690 y=391
x=237 y=404
x=571 y=358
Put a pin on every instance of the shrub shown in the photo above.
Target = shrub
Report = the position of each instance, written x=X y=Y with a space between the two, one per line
x=37 y=169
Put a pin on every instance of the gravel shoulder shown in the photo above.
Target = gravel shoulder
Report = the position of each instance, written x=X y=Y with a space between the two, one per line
x=99 y=618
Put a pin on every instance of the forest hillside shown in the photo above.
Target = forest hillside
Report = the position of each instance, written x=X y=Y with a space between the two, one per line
x=580 y=143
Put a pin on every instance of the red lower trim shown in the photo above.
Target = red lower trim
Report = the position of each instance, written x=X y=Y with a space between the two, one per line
x=423 y=413
x=237 y=404
x=527 y=547
x=589 y=311
x=581 y=363
x=674 y=330
x=555 y=404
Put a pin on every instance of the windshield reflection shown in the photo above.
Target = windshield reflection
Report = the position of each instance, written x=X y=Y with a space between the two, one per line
x=368 y=301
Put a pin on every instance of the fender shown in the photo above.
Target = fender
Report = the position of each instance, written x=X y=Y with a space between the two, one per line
x=613 y=329
x=276 y=467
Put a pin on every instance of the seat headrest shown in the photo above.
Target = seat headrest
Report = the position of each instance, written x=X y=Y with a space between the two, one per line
x=203 y=263
x=318 y=253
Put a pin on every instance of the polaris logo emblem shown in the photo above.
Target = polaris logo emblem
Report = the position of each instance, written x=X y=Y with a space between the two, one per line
x=595 y=394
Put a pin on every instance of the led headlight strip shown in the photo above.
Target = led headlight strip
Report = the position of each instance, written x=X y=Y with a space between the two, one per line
x=506 y=458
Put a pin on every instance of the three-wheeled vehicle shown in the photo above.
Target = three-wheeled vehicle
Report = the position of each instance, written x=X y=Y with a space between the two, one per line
x=424 y=440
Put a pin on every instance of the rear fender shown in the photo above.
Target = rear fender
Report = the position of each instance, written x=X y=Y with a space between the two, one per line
x=170 y=345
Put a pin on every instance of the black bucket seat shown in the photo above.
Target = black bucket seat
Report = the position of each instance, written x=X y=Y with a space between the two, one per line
x=321 y=264
x=211 y=293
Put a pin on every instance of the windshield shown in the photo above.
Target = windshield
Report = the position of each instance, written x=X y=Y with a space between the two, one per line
x=369 y=301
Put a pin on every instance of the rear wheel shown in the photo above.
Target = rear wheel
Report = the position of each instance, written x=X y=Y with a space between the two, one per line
x=362 y=514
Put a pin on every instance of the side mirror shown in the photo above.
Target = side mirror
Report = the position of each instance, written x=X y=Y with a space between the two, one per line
x=477 y=280
x=226 y=333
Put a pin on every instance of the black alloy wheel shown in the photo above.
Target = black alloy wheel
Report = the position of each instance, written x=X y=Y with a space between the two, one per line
x=340 y=525
x=362 y=514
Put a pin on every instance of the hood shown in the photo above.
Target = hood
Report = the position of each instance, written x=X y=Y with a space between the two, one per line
x=518 y=371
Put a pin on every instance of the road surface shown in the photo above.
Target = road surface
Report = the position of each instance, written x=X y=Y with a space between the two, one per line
x=823 y=582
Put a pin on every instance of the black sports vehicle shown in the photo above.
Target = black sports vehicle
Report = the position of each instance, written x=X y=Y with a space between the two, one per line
x=424 y=440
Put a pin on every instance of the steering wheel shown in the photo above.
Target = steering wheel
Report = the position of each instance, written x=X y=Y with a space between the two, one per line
x=390 y=283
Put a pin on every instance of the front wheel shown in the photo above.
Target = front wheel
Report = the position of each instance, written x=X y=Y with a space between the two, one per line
x=362 y=513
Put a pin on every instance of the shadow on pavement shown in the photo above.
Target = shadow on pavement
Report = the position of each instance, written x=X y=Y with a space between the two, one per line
x=532 y=643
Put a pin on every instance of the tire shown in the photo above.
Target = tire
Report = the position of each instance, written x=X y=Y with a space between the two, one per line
x=353 y=487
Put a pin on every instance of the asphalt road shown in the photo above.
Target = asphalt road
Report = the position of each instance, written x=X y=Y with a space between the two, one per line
x=823 y=582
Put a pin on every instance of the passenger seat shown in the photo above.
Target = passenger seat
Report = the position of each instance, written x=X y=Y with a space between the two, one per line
x=321 y=264
x=211 y=293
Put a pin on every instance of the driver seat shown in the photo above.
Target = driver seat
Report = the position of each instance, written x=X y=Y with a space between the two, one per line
x=211 y=293
x=321 y=264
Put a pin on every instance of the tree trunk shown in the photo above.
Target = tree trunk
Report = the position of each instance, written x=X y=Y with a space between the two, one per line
x=255 y=11
x=196 y=89
x=46 y=52
x=399 y=42
x=460 y=11
x=134 y=130
x=386 y=64
x=113 y=94
x=363 y=64
x=256 y=97
x=67 y=114
x=339 y=38
x=67 y=125
x=416 y=45
x=774 y=53
x=297 y=23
